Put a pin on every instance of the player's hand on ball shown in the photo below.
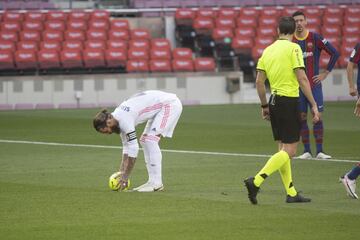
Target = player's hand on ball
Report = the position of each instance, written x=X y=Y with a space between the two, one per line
x=118 y=182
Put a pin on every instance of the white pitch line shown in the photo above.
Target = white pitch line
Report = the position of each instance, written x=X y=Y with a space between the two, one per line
x=166 y=150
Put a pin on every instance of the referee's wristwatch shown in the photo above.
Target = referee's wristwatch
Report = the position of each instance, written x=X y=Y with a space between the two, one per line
x=265 y=105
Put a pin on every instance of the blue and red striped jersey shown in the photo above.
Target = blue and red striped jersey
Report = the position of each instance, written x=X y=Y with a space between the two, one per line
x=312 y=46
x=355 y=58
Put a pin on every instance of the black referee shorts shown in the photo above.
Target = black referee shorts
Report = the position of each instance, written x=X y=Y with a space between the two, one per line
x=285 y=118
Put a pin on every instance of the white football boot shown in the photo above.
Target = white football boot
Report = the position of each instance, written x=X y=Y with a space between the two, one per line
x=305 y=155
x=322 y=155
x=350 y=186
x=149 y=187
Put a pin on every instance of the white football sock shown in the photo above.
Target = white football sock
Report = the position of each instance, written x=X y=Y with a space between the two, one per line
x=146 y=156
x=154 y=158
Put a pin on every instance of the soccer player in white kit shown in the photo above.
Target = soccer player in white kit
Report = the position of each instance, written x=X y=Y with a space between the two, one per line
x=162 y=111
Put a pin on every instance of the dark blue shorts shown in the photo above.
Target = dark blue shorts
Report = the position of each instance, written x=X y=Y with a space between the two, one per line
x=318 y=96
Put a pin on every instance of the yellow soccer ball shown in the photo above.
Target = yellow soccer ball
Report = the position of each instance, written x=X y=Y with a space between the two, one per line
x=114 y=182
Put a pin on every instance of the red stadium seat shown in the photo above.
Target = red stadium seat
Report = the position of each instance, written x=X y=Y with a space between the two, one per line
x=49 y=59
x=332 y=20
x=7 y=45
x=203 y=25
x=266 y=31
x=95 y=34
x=75 y=35
x=33 y=26
x=160 y=53
x=79 y=15
x=313 y=12
x=30 y=36
x=182 y=53
x=25 y=59
x=77 y=25
x=220 y=34
x=119 y=34
x=11 y=26
x=94 y=58
x=50 y=45
x=346 y=50
x=249 y=12
x=257 y=51
x=6 y=60
x=268 y=22
x=55 y=25
x=71 y=59
x=288 y=11
x=184 y=16
x=333 y=11
x=138 y=54
x=140 y=34
x=95 y=44
x=270 y=12
x=352 y=20
x=225 y=22
x=100 y=14
x=349 y=30
x=352 y=10
x=313 y=28
x=13 y=16
x=28 y=45
x=73 y=45
x=160 y=43
x=139 y=43
x=351 y=40
x=115 y=58
x=246 y=22
x=56 y=15
x=117 y=24
x=160 y=65
x=313 y=20
x=183 y=65
x=242 y=44
x=52 y=35
x=206 y=12
x=343 y=61
x=266 y=41
x=204 y=65
x=117 y=44
x=327 y=30
x=99 y=24
x=35 y=16
x=9 y=36
x=228 y=13
x=334 y=40
x=137 y=66
x=245 y=32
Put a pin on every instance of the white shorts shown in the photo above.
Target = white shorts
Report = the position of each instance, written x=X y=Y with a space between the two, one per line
x=165 y=121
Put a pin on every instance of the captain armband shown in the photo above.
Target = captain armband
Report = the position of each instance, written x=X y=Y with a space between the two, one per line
x=131 y=136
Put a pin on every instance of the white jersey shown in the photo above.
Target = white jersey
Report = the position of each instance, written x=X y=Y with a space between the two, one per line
x=140 y=108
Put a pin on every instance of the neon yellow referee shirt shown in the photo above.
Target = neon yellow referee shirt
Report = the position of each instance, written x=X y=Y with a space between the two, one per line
x=278 y=61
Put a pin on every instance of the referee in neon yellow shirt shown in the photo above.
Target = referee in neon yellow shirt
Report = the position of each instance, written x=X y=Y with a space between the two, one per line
x=283 y=65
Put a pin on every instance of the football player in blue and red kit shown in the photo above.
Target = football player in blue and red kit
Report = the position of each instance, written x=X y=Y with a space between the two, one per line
x=312 y=44
x=354 y=61
x=349 y=179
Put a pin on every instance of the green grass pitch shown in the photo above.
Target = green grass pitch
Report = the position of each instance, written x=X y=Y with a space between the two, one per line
x=61 y=192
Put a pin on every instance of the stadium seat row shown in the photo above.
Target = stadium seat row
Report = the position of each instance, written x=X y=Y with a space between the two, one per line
x=252 y=30
x=94 y=59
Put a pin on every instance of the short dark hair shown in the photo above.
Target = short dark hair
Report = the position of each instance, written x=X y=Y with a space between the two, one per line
x=298 y=13
x=100 y=118
x=287 y=25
